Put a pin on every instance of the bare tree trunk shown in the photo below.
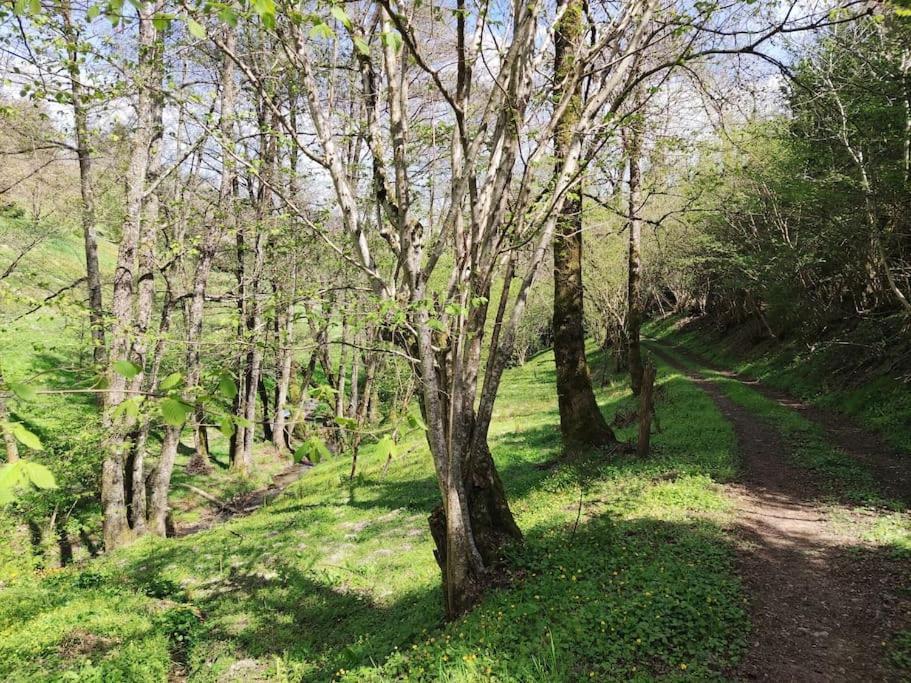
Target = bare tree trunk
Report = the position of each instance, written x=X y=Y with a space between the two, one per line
x=196 y=308
x=12 y=448
x=84 y=156
x=161 y=485
x=634 y=262
x=342 y=360
x=284 y=360
x=145 y=303
x=243 y=460
x=581 y=421
x=355 y=384
x=116 y=529
x=646 y=410
x=473 y=522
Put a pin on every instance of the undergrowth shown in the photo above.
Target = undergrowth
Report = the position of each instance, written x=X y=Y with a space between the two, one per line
x=625 y=572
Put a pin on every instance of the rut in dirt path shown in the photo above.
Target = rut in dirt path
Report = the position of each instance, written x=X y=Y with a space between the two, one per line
x=823 y=606
x=888 y=466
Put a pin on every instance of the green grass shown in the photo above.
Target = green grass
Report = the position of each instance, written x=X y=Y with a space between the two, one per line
x=336 y=579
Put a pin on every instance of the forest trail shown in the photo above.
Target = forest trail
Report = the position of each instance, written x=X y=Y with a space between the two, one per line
x=823 y=603
x=885 y=463
x=245 y=504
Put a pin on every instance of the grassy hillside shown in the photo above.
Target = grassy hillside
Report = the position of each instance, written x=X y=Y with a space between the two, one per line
x=625 y=573
x=49 y=349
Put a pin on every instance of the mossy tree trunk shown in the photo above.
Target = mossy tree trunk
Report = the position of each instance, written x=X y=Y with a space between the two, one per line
x=581 y=422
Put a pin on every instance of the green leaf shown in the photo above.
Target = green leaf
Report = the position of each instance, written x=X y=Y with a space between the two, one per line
x=174 y=412
x=415 y=422
x=229 y=16
x=321 y=30
x=362 y=46
x=170 y=381
x=24 y=391
x=196 y=29
x=387 y=447
x=313 y=449
x=324 y=393
x=265 y=9
x=93 y=12
x=392 y=39
x=129 y=407
x=126 y=368
x=161 y=22
x=226 y=386
x=226 y=426
x=346 y=423
x=341 y=15
x=40 y=476
x=26 y=438
x=27 y=7
x=12 y=477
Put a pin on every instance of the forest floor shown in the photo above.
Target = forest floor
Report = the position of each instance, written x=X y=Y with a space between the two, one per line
x=823 y=600
x=747 y=545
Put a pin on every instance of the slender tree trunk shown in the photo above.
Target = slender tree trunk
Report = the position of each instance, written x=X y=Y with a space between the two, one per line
x=264 y=399
x=145 y=303
x=646 y=409
x=12 y=448
x=227 y=193
x=634 y=261
x=87 y=214
x=342 y=360
x=284 y=361
x=253 y=365
x=116 y=529
x=581 y=422
x=355 y=384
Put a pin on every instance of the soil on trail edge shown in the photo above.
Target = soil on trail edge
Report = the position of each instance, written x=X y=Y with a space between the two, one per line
x=823 y=606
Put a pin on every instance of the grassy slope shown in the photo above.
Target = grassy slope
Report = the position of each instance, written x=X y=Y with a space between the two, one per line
x=49 y=349
x=337 y=580
x=835 y=373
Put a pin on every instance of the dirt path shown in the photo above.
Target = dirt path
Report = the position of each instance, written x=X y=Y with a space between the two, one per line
x=888 y=466
x=823 y=606
x=246 y=504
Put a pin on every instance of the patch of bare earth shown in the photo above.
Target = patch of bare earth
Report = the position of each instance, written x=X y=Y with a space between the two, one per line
x=823 y=605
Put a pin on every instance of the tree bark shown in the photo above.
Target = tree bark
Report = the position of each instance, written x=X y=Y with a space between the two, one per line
x=243 y=460
x=115 y=526
x=646 y=410
x=87 y=214
x=634 y=261
x=158 y=499
x=227 y=192
x=9 y=441
x=581 y=422
x=284 y=361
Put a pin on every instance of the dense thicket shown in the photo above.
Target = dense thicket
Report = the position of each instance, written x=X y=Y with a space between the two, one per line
x=803 y=217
